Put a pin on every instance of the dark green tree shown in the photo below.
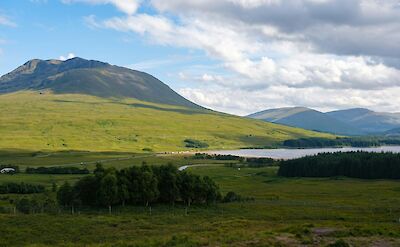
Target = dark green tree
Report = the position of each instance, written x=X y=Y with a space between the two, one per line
x=167 y=177
x=66 y=197
x=186 y=185
x=108 y=191
x=148 y=185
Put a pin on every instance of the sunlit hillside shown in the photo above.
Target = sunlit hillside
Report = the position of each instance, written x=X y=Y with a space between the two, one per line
x=46 y=121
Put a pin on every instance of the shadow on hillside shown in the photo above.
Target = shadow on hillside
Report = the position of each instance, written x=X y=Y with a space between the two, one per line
x=177 y=110
x=153 y=107
x=74 y=101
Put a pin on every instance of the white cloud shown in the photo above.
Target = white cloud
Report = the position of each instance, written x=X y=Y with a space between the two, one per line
x=127 y=6
x=5 y=21
x=69 y=56
x=332 y=55
x=38 y=1
x=242 y=102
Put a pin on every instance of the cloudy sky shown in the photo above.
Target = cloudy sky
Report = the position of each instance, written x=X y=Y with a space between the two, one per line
x=236 y=56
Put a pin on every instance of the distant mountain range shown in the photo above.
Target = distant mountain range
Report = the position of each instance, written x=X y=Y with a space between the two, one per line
x=357 y=121
x=81 y=76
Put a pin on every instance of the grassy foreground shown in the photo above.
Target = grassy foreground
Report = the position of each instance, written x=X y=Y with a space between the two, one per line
x=34 y=121
x=286 y=211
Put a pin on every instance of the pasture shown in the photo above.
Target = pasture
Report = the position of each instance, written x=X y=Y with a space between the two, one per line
x=285 y=211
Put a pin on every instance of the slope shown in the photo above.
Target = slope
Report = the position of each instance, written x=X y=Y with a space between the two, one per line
x=46 y=121
x=367 y=120
x=80 y=76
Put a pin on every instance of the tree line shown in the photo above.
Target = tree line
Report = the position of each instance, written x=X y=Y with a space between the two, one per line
x=362 y=141
x=252 y=162
x=142 y=185
x=20 y=188
x=350 y=164
x=56 y=170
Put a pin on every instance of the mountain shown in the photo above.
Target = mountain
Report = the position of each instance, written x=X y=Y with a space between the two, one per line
x=393 y=132
x=80 y=76
x=306 y=118
x=367 y=120
x=93 y=106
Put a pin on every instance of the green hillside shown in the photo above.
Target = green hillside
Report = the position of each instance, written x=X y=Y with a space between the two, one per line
x=30 y=120
x=81 y=76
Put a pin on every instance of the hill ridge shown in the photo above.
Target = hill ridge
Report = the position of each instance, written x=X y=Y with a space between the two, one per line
x=91 y=77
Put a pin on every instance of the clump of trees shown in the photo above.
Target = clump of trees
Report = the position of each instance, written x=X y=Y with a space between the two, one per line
x=20 y=188
x=36 y=204
x=57 y=170
x=259 y=162
x=192 y=143
x=143 y=185
x=249 y=161
x=350 y=164
x=204 y=156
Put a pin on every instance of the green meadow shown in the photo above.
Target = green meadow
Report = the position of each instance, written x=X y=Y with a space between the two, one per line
x=45 y=121
x=44 y=129
x=284 y=212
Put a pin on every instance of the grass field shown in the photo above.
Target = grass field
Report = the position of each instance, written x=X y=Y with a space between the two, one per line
x=285 y=212
x=34 y=121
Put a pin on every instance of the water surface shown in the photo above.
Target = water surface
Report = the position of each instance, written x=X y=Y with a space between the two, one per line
x=298 y=153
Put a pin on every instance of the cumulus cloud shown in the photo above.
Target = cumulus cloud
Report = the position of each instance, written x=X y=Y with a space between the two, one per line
x=69 y=56
x=318 y=53
x=242 y=102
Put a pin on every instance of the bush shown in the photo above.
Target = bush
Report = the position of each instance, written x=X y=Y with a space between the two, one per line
x=191 y=143
x=233 y=197
x=36 y=204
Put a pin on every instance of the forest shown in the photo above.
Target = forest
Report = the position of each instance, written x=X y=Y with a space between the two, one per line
x=350 y=164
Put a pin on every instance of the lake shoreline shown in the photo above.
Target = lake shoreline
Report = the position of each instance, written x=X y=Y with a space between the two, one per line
x=293 y=153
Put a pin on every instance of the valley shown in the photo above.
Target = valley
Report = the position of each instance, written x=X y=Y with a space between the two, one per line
x=66 y=134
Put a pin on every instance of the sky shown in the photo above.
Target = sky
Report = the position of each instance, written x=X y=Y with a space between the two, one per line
x=235 y=56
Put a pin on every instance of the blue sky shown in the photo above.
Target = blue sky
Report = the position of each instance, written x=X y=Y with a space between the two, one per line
x=51 y=29
x=236 y=56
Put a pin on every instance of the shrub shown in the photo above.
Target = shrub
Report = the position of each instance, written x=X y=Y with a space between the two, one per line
x=191 y=143
x=233 y=197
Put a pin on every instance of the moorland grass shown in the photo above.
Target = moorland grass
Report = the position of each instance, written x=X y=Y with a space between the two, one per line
x=285 y=212
x=45 y=121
